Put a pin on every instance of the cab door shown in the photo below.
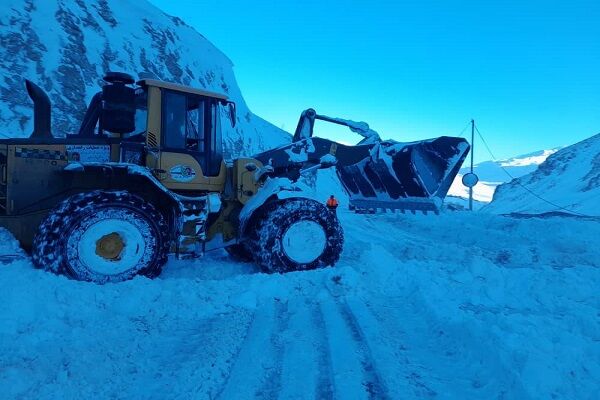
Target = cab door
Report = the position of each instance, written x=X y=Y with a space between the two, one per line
x=191 y=155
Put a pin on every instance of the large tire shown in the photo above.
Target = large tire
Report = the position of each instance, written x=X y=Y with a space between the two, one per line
x=296 y=234
x=103 y=237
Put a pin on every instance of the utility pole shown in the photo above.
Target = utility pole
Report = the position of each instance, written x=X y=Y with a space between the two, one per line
x=472 y=151
x=470 y=179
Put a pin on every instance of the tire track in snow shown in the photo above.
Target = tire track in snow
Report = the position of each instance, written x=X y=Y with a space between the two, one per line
x=324 y=388
x=235 y=359
x=390 y=349
x=375 y=385
x=306 y=368
x=436 y=357
x=355 y=371
x=272 y=381
x=194 y=353
x=256 y=371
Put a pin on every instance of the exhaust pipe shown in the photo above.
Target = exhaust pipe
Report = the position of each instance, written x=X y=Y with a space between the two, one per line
x=41 y=111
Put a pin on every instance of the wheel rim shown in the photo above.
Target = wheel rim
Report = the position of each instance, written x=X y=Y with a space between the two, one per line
x=111 y=246
x=304 y=242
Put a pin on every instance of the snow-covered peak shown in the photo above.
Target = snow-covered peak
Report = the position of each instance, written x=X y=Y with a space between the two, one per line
x=535 y=158
x=569 y=178
x=66 y=46
x=493 y=173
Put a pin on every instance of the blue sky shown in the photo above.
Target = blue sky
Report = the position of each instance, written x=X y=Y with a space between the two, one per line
x=527 y=71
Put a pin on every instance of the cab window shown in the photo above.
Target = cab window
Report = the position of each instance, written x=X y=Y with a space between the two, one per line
x=190 y=124
x=174 y=121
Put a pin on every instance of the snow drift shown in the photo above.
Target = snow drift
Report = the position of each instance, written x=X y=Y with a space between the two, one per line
x=66 y=46
x=458 y=306
x=569 y=178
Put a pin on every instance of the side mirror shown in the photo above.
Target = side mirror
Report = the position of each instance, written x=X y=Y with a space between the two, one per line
x=232 y=114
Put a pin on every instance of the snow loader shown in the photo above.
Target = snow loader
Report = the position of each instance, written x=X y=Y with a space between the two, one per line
x=145 y=177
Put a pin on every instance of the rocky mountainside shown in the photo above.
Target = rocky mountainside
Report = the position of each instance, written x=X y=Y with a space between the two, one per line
x=66 y=46
x=569 y=178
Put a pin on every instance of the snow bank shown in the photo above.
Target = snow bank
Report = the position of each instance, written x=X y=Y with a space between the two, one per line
x=462 y=305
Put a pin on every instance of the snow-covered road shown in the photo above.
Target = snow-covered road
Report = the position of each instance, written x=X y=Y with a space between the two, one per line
x=466 y=306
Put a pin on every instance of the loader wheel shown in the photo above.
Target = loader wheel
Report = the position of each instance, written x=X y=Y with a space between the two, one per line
x=240 y=252
x=295 y=235
x=103 y=237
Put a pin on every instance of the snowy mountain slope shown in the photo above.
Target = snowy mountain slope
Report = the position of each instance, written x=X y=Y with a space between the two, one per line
x=493 y=173
x=460 y=306
x=66 y=46
x=569 y=178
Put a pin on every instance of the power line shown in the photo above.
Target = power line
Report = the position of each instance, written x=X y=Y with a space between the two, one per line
x=464 y=129
x=486 y=145
x=515 y=180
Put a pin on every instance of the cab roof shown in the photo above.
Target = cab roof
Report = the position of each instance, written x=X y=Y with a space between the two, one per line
x=181 y=88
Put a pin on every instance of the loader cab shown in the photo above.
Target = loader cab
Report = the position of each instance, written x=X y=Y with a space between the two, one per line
x=184 y=136
x=191 y=125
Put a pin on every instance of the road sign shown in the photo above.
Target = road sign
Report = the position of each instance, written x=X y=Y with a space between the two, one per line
x=470 y=179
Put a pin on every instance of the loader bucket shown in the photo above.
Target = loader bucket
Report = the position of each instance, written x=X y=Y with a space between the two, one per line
x=404 y=176
x=377 y=174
